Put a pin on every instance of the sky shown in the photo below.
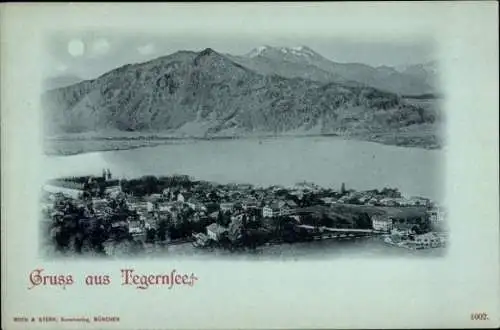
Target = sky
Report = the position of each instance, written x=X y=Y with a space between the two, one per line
x=88 y=55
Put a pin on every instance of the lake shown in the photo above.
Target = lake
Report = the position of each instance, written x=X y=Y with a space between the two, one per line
x=327 y=161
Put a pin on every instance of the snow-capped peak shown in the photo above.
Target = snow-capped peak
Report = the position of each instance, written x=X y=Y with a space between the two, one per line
x=258 y=51
x=300 y=51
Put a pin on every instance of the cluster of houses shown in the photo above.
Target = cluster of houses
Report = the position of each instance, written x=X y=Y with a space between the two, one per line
x=208 y=202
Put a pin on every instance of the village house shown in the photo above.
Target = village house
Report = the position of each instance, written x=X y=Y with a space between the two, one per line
x=113 y=189
x=279 y=208
x=272 y=210
x=343 y=199
x=150 y=223
x=224 y=207
x=388 y=202
x=290 y=204
x=403 y=230
x=381 y=223
x=419 y=201
x=135 y=227
x=214 y=215
x=244 y=186
x=149 y=206
x=180 y=197
x=428 y=240
x=395 y=217
x=250 y=203
x=216 y=231
x=169 y=206
x=328 y=200
x=436 y=216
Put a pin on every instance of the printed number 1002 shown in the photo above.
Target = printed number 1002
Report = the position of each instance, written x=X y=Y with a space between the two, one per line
x=479 y=316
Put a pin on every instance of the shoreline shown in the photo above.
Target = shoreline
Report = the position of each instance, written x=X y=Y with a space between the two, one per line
x=75 y=145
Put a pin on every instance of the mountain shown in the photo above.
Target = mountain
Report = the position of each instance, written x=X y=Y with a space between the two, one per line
x=206 y=93
x=303 y=62
x=426 y=72
x=60 y=81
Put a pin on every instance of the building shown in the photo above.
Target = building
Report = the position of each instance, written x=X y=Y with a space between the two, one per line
x=403 y=230
x=388 y=201
x=214 y=215
x=135 y=227
x=382 y=223
x=395 y=217
x=250 y=203
x=419 y=201
x=328 y=200
x=224 y=207
x=279 y=208
x=168 y=207
x=288 y=206
x=113 y=190
x=216 y=231
x=436 y=216
x=272 y=210
x=429 y=240
x=149 y=206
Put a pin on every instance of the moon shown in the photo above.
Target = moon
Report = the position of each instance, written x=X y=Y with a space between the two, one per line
x=76 y=47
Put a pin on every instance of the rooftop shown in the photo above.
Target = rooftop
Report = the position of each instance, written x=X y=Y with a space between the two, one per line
x=216 y=228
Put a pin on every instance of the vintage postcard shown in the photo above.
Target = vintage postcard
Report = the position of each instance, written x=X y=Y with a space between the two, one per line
x=258 y=165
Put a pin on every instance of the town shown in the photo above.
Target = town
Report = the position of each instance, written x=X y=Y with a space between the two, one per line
x=106 y=216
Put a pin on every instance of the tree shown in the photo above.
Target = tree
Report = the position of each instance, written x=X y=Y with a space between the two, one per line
x=162 y=230
x=102 y=189
x=226 y=218
x=423 y=226
x=151 y=235
x=220 y=218
x=235 y=231
x=342 y=189
x=364 y=221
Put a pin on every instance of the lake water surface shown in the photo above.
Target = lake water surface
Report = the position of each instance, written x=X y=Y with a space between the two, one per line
x=327 y=161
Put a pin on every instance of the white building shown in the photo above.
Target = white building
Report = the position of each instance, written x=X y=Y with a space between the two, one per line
x=215 y=231
x=226 y=207
x=113 y=190
x=382 y=223
x=270 y=211
x=429 y=240
x=328 y=200
x=436 y=216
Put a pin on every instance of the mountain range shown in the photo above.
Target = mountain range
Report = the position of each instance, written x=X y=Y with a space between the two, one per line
x=269 y=90
x=304 y=62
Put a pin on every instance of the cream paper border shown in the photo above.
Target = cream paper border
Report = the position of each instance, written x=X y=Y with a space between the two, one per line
x=342 y=293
